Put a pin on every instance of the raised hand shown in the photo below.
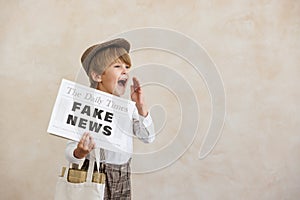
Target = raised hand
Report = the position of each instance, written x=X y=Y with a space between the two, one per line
x=138 y=97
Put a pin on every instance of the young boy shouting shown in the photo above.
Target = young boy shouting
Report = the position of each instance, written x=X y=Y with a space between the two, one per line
x=107 y=66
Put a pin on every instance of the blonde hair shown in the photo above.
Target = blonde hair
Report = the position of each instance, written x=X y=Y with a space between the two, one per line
x=104 y=58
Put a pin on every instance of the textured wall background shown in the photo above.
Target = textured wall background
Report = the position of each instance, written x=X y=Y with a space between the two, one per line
x=255 y=44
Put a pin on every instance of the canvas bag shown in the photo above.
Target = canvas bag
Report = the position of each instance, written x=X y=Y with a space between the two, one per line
x=87 y=190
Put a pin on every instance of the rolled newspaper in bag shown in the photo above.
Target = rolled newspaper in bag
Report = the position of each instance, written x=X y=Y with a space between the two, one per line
x=76 y=176
x=98 y=177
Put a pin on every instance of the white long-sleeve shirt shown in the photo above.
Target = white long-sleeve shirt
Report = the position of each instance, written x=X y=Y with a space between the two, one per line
x=143 y=129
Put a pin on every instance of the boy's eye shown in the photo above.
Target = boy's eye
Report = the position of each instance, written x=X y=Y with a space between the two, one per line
x=118 y=66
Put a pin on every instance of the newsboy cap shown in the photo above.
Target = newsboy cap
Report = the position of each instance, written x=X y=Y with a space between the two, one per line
x=89 y=54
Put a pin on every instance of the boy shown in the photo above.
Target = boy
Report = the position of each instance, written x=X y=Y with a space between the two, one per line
x=107 y=66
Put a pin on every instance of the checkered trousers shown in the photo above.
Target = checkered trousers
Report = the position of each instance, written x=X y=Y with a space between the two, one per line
x=117 y=184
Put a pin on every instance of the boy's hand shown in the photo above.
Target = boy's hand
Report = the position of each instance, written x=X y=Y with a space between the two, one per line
x=138 y=97
x=85 y=146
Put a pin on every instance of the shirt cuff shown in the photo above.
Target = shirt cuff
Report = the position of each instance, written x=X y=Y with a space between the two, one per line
x=69 y=152
x=146 y=121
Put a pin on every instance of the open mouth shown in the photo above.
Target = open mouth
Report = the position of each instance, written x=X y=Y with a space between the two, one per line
x=122 y=82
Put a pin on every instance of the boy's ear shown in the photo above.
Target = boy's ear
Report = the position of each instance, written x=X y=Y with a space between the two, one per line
x=96 y=77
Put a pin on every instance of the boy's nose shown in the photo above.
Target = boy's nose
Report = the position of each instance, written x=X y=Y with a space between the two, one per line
x=124 y=69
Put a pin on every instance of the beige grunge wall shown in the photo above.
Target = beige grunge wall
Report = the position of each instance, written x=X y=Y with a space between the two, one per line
x=255 y=44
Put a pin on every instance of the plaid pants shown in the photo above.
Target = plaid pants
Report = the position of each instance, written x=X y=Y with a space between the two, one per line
x=117 y=184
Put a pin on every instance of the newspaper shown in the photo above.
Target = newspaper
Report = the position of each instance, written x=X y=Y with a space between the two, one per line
x=106 y=117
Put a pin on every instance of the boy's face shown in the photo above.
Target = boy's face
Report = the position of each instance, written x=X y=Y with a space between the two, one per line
x=115 y=78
